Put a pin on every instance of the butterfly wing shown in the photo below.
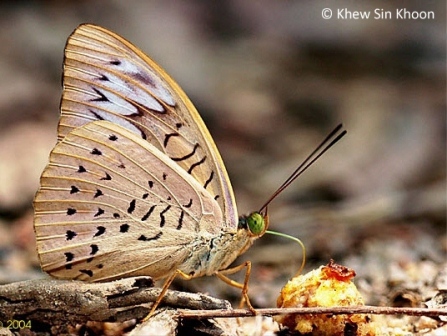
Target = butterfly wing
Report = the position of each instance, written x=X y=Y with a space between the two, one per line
x=107 y=78
x=112 y=205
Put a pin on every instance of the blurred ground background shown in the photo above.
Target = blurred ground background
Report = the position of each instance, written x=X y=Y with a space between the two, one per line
x=270 y=79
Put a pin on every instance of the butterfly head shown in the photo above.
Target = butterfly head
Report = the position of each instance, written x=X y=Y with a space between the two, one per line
x=255 y=223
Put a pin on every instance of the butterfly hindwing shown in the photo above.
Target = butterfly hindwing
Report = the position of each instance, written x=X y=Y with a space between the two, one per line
x=108 y=197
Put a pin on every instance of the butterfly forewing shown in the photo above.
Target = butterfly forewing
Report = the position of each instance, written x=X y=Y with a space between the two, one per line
x=107 y=78
x=108 y=198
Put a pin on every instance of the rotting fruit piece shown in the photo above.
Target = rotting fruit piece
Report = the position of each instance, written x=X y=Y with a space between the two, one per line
x=327 y=286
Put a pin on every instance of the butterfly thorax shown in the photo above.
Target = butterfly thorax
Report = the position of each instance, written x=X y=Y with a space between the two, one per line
x=211 y=254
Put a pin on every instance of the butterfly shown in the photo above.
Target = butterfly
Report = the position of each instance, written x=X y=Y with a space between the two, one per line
x=135 y=184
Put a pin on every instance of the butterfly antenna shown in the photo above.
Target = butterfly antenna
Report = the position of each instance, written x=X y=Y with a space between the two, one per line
x=327 y=143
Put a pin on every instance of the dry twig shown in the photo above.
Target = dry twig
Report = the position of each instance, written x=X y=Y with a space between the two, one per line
x=204 y=314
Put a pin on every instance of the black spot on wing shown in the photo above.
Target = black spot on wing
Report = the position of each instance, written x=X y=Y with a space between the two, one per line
x=146 y=216
x=101 y=230
x=113 y=137
x=180 y=220
x=101 y=98
x=187 y=156
x=144 y=238
x=71 y=211
x=124 y=228
x=97 y=116
x=140 y=113
x=209 y=180
x=194 y=165
x=115 y=62
x=131 y=207
x=87 y=272
x=106 y=178
x=81 y=169
x=99 y=212
x=168 y=137
x=162 y=216
x=94 y=248
x=151 y=184
x=96 y=151
x=145 y=195
x=69 y=256
x=70 y=234
x=116 y=215
x=165 y=176
x=74 y=190
x=141 y=110
x=104 y=78
x=98 y=193
x=189 y=204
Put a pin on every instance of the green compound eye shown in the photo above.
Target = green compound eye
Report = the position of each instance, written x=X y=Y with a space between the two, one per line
x=256 y=223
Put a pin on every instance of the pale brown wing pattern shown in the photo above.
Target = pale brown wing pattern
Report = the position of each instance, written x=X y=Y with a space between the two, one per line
x=107 y=197
x=107 y=78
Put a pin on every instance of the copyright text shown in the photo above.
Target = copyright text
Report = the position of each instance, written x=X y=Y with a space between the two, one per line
x=377 y=14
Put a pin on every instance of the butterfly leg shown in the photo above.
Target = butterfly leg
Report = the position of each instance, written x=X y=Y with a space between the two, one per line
x=223 y=276
x=164 y=290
